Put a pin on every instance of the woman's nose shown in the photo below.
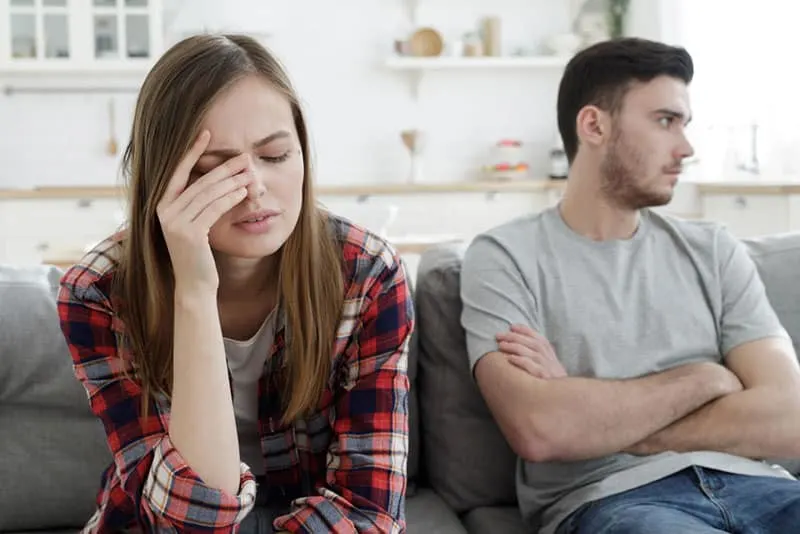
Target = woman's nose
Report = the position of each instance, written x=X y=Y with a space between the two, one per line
x=257 y=189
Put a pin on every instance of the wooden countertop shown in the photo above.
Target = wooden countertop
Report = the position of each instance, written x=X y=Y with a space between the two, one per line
x=749 y=188
x=357 y=190
x=366 y=190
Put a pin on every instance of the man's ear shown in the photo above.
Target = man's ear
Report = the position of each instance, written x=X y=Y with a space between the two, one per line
x=593 y=126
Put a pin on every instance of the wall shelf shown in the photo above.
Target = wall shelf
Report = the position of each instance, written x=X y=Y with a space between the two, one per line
x=483 y=62
x=416 y=67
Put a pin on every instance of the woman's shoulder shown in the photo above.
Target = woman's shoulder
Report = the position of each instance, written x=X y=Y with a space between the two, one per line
x=368 y=257
x=90 y=280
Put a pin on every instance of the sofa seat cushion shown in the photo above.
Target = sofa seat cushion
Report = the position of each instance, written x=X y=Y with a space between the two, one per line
x=427 y=513
x=505 y=519
x=53 y=449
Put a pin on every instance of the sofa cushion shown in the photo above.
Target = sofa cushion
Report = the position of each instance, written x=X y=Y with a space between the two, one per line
x=414 y=452
x=777 y=258
x=53 y=447
x=427 y=513
x=505 y=519
x=465 y=457
x=413 y=398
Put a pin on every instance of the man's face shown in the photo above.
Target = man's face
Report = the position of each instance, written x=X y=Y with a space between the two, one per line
x=648 y=144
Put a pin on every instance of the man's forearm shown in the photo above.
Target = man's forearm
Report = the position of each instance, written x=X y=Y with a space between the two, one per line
x=758 y=423
x=583 y=418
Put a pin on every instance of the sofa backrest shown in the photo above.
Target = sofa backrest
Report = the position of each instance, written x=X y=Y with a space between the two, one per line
x=53 y=449
x=464 y=455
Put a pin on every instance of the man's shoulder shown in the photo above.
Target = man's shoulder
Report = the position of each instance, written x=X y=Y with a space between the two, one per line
x=520 y=227
x=700 y=236
x=510 y=237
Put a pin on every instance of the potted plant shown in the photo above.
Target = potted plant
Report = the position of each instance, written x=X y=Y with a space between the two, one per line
x=617 y=13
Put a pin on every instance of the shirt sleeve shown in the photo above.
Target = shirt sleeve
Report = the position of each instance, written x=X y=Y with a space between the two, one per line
x=168 y=495
x=367 y=459
x=494 y=296
x=746 y=313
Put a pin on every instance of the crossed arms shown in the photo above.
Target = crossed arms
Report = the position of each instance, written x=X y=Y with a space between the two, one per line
x=751 y=408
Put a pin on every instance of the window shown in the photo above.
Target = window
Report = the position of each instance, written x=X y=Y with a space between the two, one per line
x=745 y=85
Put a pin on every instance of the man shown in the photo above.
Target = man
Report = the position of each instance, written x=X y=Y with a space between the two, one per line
x=631 y=359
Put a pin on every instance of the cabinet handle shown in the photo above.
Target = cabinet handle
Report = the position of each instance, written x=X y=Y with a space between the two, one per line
x=740 y=202
x=85 y=203
x=41 y=247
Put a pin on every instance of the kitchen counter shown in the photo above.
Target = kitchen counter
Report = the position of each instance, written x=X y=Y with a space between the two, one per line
x=749 y=188
x=357 y=190
x=365 y=190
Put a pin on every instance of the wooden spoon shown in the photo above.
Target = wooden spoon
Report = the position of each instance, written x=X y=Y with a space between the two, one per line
x=112 y=147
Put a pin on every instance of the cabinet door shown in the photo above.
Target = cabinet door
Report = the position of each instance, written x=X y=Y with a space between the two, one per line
x=794 y=213
x=445 y=215
x=36 y=31
x=122 y=30
x=34 y=229
x=748 y=215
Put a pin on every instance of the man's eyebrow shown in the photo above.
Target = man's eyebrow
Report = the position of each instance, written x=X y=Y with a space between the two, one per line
x=229 y=153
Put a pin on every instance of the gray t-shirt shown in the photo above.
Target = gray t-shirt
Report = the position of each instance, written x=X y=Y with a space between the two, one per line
x=674 y=293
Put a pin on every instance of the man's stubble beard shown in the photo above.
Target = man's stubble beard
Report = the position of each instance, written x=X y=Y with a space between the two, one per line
x=621 y=174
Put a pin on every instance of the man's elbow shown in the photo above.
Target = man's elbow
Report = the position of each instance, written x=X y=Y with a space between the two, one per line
x=533 y=442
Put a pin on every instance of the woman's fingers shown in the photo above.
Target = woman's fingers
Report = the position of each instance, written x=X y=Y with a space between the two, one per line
x=178 y=181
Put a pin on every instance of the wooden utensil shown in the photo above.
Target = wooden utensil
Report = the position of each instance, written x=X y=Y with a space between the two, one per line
x=112 y=146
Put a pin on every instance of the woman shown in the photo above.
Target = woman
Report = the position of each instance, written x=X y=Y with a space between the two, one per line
x=245 y=350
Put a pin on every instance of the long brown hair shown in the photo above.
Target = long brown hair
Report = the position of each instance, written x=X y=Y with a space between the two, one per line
x=172 y=102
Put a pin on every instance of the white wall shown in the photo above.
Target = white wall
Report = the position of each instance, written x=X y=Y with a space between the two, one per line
x=334 y=53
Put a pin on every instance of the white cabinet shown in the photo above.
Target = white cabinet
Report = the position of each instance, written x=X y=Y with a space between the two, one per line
x=749 y=215
x=794 y=213
x=436 y=215
x=33 y=230
x=63 y=36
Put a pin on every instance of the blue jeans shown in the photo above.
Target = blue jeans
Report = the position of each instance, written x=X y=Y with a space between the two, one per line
x=697 y=501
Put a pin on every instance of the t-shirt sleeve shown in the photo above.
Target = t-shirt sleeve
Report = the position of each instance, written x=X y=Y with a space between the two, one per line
x=494 y=295
x=746 y=314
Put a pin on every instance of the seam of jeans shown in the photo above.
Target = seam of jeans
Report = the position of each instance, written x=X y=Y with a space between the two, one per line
x=709 y=493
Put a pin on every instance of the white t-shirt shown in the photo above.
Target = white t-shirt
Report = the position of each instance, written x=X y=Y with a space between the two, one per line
x=246 y=361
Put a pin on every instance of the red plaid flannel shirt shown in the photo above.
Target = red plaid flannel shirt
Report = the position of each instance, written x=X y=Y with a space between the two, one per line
x=343 y=469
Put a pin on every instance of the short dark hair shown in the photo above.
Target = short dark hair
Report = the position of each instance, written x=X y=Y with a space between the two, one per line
x=601 y=75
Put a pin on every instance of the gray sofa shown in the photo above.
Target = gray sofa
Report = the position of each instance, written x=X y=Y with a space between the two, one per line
x=52 y=450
